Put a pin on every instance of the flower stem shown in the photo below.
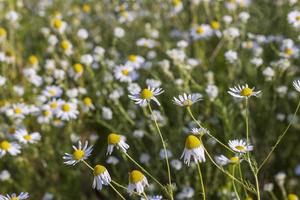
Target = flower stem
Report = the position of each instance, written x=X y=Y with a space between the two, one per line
x=201 y=181
x=199 y=124
x=170 y=190
x=120 y=195
x=280 y=138
x=145 y=196
x=88 y=165
x=233 y=183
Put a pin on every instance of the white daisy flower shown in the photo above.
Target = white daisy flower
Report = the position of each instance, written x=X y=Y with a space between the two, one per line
x=145 y=42
x=46 y=114
x=19 y=110
x=143 y=97
x=294 y=18
x=79 y=154
x=137 y=182
x=24 y=137
x=223 y=160
x=115 y=140
x=67 y=111
x=289 y=49
x=199 y=131
x=54 y=104
x=87 y=104
x=135 y=61
x=123 y=73
x=187 y=99
x=243 y=91
x=101 y=177
x=52 y=91
x=67 y=47
x=59 y=25
x=77 y=70
x=193 y=149
x=21 y=196
x=296 y=84
x=203 y=31
x=12 y=148
x=240 y=146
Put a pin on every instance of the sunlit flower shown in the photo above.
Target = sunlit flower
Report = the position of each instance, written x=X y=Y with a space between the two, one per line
x=101 y=177
x=296 y=84
x=118 y=141
x=143 y=97
x=12 y=148
x=124 y=73
x=87 y=104
x=193 y=149
x=21 y=196
x=135 y=61
x=240 y=146
x=223 y=160
x=187 y=99
x=67 y=47
x=137 y=182
x=243 y=91
x=67 y=111
x=79 y=154
x=24 y=137
x=52 y=91
x=18 y=110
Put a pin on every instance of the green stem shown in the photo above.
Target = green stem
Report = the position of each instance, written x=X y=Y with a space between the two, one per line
x=145 y=196
x=233 y=183
x=247 y=121
x=88 y=165
x=120 y=195
x=201 y=181
x=165 y=151
x=279 y=138
x=210 y=135
x=242 y=178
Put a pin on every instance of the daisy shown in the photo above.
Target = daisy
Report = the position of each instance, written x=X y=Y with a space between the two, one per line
x=33 y=61
x=124 y=73
x=54 y=104
x=77 y=70
x=145 y=42
x=135 y=61
x=79 y=154
x=101 y=177
x=137 y=181
x=187 y=99
x=289 y=49
x=223 y=160
x=52 y=91
x=21 y=196
x=115 y=140
x=59 y=25
x=18 y=110
x=67 y=111
x=24 y=137
x=143 y=97
x=203 y=31
x=294 y=18
x=243 y=91
x=199 y=131
x=67 y=47
x=296 y=84
x=193 y=148
x=12 y=148
x=240 y=146
x=87 y=104
x=46 y=114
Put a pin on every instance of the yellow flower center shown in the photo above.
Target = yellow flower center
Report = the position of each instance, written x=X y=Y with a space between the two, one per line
x=289 y=51
x=240 y=148
x=146 y=94
x=2 y=32
x=57 y=23
x=52 y=92
x=215 y=25
x=14 y=198
x=187 y=102
x=293 y=197
x=78 y=68
x=125 y=72
x=78 y=154
x=33 y=60
x=132 y=58
x=200 y=30
x=234 y=159
x=18 y=110
x=192 y=142
x=53 y=105
x=298 y=18
x=249 y=198
x=99 y=169
x=66 y=107
x=65 y=45
x=176 y=2
x=246 y=92
x=87 y=101
x=136 y=176
x=5 y=145
x=46 y=113
x=27 y=137
x=86 y=8
x=113 y=138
